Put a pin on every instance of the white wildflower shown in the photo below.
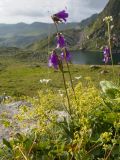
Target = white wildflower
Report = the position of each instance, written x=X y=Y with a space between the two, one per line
x=78 y=77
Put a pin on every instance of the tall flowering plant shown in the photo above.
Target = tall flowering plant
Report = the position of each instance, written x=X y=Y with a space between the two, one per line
x=56 y=60
x=61 y=44
x=108 y=50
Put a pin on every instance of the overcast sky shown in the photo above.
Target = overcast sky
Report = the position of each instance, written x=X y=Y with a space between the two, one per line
x=28 y=11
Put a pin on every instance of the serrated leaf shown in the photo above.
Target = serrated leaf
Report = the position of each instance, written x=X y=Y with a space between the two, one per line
x=110 y=89
x=7 y=143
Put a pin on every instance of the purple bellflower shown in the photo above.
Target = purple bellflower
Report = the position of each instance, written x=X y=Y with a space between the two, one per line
x=60 y=41
x=53 y=60
x=65 y=55
x=106 y=53
x=60 y=17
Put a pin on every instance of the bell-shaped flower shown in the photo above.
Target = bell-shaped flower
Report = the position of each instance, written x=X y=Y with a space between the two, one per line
x=106 y=54
x=53 y=60
x=65 y=55
x=60 y=41
x=60 y=16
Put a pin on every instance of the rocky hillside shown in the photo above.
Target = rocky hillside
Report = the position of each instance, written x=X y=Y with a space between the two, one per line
x=22 y=34
x=91 y=33
x=73 y=36
x=96 y=33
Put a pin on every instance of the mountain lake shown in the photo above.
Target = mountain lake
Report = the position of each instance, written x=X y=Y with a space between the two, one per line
x=92 y=58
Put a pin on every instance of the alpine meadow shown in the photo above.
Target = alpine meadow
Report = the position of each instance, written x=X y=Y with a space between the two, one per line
x=60 y=80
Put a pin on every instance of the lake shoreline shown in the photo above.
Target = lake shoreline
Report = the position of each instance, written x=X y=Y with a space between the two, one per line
x=93 y=51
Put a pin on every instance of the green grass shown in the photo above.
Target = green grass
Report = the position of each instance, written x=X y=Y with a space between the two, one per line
x=19 y=78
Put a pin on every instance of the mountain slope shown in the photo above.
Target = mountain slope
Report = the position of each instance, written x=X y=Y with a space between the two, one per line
x=86 y=22
x=96 y=34
x=72 y=35
x=21 y=34
x=92 y=34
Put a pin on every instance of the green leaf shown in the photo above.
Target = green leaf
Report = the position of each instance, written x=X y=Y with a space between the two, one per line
x=19 y=137
x=110 y=89
x=7 y=143
x=27 y=143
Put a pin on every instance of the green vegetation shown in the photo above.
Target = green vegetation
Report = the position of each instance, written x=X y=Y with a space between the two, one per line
x=22 y=34
x=23 y=77
x=89 y=132
x=86 y=130
x=72 y=36
x=67 y=114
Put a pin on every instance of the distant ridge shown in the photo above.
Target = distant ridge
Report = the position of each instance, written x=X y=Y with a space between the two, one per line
x=72 y=35
x=22 y=34
x=95 y=34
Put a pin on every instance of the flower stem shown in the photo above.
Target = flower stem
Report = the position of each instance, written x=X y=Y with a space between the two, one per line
x=32 y=145
x=64 y=78
x=23 y=154
x=108 y=156
x=56 y=27
x=70 y=75
x=71 y=79
x=67 y=66
x=109 y=153
x=94 y=147
x=66 y=90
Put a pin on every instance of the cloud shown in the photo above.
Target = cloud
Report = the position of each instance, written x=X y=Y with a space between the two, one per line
x=97 y=4
x=12 y=11
x=29 y=13
x=82 y=9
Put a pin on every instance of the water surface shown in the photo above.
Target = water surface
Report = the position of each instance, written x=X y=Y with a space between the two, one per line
x=92 y=58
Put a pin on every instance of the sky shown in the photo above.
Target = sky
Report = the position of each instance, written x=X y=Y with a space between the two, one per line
x=29 y=11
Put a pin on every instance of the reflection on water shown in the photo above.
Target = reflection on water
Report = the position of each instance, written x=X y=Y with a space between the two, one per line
x=93 y=58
